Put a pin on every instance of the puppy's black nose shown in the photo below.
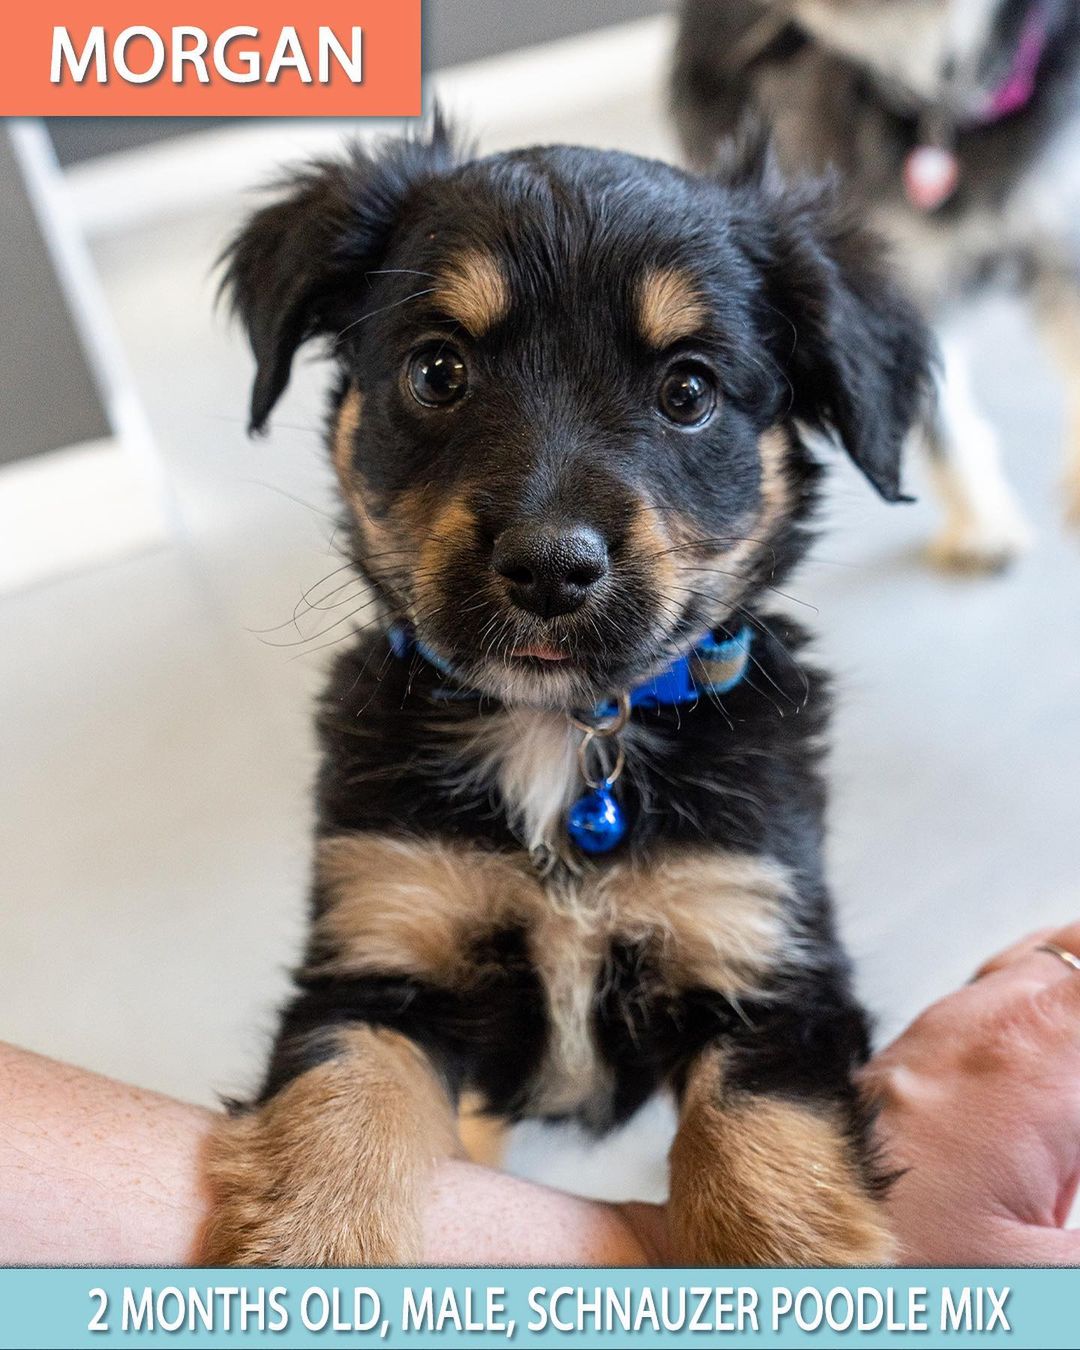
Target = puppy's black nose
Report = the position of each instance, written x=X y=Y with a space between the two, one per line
x=551 y=569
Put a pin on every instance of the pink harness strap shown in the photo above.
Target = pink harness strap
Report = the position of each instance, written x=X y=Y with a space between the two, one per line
x=1018 y=89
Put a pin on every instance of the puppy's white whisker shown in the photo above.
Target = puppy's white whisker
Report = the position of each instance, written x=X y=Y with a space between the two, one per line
x=383 y=309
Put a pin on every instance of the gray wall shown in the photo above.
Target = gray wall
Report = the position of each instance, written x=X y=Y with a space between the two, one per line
x=47 y=396
x=465 y=30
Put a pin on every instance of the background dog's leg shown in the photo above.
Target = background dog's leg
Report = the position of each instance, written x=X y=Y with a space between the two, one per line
x=761 y=1180
x=1058 y=306
x=329 y=1170
x=984 y=526
x=483 y=1137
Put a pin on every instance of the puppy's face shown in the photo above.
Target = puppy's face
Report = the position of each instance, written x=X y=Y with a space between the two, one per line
x=953 y=53
x=564 y=425
x=559 y=447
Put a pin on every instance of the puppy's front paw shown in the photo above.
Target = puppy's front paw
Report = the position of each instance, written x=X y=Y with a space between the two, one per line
x=759 y=1181
x=286 y=1195
x=979 y=546
x=243 y=1233
x=838 y=1227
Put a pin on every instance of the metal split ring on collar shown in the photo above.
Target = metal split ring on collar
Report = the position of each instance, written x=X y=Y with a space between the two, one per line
x=606 y=779
x=606 y=726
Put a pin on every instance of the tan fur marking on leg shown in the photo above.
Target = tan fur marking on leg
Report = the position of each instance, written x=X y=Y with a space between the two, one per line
x=717 y=920
x=1059 y=310
x=756 y=1181
x=474 y=291
x=669 y=307
x=411 y=906
x=330 y=1171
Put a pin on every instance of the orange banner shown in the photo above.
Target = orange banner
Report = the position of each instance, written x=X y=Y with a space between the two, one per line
x=192 y=58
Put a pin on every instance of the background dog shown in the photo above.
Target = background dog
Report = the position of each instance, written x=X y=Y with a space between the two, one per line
x=568 y=430
x=956 y=125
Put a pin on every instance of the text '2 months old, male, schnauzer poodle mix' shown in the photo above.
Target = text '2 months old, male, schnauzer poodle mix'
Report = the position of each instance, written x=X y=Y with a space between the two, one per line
x=570 y=817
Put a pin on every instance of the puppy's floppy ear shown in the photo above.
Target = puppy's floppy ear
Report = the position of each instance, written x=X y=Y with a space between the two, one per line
x=299 y=264
x=855 y=350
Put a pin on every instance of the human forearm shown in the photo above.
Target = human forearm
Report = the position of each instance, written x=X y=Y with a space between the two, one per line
x=93 y=1172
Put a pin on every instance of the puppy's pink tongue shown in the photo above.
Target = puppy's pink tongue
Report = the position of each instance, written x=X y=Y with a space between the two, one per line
x=930 y=177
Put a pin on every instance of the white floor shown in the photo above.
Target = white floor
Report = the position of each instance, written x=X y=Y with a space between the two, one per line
x=157 y=753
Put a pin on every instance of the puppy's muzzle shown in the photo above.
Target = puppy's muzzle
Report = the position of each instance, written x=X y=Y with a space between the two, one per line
x=551 y=569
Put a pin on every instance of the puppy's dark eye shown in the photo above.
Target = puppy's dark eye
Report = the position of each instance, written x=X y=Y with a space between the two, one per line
x=688 y=395
x=437 y=376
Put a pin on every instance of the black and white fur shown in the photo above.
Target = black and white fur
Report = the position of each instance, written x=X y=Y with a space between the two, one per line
x=852 y=85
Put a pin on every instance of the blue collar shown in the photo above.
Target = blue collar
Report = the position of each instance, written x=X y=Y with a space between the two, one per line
x=716 y=665
x=596 y=823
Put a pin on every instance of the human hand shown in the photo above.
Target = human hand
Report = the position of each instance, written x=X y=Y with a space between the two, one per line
x=980 y=1105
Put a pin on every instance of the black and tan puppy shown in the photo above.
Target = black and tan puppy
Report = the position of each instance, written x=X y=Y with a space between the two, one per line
x=570 y=818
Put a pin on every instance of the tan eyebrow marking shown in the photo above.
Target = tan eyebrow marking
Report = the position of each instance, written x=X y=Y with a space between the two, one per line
x=669 y=306
x=473 y=290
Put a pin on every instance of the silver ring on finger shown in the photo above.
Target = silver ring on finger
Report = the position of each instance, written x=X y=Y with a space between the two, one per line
x=1062 y=953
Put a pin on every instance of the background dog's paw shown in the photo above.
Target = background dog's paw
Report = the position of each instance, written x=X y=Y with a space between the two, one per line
x=980 y=546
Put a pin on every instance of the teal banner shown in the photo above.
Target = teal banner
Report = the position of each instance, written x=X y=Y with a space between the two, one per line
x=70 y=1309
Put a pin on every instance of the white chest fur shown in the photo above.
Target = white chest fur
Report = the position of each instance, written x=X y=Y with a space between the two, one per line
x=526 y=758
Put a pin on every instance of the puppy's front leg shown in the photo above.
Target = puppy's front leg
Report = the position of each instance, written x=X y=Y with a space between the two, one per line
x=760 y=1179
x=329 y=1170
x=984 y=526
x=1058 y=302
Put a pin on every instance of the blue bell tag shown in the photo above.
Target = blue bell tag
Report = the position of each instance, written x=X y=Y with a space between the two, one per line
x=596 y=823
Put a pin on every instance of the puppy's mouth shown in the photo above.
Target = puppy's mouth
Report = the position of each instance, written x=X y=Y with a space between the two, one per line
x=571 y=666
x=540 y=653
